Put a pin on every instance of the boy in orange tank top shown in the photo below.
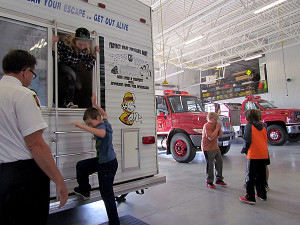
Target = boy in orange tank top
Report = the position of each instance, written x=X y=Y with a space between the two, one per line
x=256 y=148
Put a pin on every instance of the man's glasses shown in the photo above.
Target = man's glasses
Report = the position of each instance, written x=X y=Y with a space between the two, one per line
x=34 y=74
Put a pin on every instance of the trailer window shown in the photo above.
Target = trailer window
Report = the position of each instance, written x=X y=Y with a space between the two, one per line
x=32 y=38
x=74 y=80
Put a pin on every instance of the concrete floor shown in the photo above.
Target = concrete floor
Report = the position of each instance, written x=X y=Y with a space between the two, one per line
x=185 y=200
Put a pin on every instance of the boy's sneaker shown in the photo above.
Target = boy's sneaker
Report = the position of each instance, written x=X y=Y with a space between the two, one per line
x=71 y=105
x=211 y=185
x=263 y=199
x=220 y=182
x=244 y=199
x=85 y=195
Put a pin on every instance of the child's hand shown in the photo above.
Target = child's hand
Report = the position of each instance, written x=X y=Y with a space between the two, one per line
x=77 y=124
x=219 y=125
x=55 y=38
x=94 y=99
x=97 y=49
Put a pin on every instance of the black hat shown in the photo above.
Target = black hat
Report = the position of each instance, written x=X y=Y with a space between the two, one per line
x=83 y=34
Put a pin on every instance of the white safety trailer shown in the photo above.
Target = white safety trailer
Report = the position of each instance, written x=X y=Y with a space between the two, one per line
x=122 y=77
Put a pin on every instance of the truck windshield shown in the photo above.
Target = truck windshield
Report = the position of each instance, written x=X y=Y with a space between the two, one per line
x=267 y=105
x=181 y=104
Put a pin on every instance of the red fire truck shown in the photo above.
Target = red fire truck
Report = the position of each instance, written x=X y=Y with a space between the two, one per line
x=180 y=121
x=282 y=124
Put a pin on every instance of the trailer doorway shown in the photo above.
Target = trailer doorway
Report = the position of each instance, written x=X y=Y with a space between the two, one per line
x=84 y=79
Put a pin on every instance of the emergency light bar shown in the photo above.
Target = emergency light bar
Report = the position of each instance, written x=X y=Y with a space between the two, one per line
x=252 y=97
x=166 y=92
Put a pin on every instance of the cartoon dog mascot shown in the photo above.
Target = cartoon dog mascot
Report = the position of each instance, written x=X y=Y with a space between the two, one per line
x=128 y=105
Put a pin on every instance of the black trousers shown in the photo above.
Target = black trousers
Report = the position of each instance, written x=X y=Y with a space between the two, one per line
x=66 y=84
x=256 y=176
x=24 y=193
x=106 y=175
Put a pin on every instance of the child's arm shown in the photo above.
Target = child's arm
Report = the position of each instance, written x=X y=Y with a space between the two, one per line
x=220 y=133
x=247 y=138
x=215 y=133
x=94 y=103
x=95 y=131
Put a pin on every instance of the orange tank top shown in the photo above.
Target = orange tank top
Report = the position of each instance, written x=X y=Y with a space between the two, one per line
x=259 y=144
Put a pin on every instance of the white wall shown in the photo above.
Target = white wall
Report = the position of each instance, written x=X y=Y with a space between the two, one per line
x=284 y=94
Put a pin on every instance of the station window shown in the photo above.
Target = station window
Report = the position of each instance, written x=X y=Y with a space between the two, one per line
x=32 y=38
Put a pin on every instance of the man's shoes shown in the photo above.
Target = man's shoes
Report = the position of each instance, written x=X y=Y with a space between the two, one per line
x=263 y=199
x=244 y=199
x=85 y=195
x=71 y=105
x=211 y=185
x=220 y=182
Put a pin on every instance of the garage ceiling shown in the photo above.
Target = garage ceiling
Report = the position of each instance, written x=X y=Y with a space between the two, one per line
x=227 y=30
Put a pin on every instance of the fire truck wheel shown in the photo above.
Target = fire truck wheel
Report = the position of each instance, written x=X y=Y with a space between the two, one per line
x=182 y=148
x=276 y=135
x=224 y=149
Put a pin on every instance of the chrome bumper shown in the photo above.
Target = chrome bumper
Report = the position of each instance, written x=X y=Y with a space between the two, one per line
x=226 y=139
x=293 y=129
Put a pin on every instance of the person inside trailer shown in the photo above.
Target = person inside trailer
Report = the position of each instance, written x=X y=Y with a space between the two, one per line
x=73 y=50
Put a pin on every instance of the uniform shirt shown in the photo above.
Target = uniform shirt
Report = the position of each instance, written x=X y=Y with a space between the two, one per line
x=104 y=146
x=19 y=117
x=209 y=145
x=72 y=58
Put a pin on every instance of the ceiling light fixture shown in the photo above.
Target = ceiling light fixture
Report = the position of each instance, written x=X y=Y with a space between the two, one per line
x=253 y=57
x=193 y=40
x=269 y=6
x=170 y=75
x=223 y=65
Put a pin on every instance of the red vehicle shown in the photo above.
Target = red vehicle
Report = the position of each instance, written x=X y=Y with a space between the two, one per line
x=282 y=124
x=180 y=121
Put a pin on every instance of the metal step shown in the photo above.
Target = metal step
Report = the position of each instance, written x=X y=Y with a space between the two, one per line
x=119 y=189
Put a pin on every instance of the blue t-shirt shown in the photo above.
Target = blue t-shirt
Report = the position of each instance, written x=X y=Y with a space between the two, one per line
x=104 y=146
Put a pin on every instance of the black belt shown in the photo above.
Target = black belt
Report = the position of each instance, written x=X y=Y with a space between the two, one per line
x=29 y=163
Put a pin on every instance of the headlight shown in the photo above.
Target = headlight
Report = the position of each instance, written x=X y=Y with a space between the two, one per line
x=290 y=120
x=198 y=130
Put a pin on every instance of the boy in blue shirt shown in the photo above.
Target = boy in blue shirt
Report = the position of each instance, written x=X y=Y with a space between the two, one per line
x=105 y=164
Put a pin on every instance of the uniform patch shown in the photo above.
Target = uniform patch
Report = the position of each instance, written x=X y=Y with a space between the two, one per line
x=37 y=101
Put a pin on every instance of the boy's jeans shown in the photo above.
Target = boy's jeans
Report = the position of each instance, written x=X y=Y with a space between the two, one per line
x=106 y=174
x=256 y=176
x=213 y=158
